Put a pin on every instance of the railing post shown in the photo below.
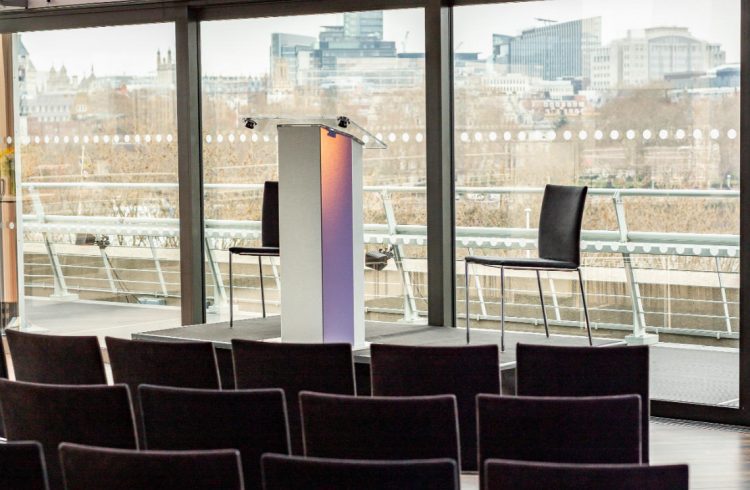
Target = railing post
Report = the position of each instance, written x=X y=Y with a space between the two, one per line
x=480 y=292
x=639 y=336
x=157 y=264
x=727 y=317
x=410 y=306
x=108 y=269
x=221 y=294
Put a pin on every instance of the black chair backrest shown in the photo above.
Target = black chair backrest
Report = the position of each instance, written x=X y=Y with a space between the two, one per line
x=98 y=468
x=585 y=371
x=560 y=430
x=22 y=466
x=387 y=428
x=560 y=223
x=3 y=362
x=520 y=475
x=294 y=472
x=270 y=220
x=323 y=368
x=178 y=364
x=251 y=421
x=464 y=371
x=56 y=359
x=97 y=414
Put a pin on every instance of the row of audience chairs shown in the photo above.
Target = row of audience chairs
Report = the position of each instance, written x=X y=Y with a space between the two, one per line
x=396 y=371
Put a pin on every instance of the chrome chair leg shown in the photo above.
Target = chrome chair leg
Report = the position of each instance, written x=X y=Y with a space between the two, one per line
x=262 y=290
x=231 y=294
x=502 y=309
x=466 y=300
x=585 y=306
x=541 y=300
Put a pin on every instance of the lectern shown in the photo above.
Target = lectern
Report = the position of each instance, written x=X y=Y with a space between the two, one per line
x=320 y=231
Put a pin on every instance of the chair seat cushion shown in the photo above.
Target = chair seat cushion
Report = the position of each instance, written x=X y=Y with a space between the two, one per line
x=266 y=251
x=521 y=262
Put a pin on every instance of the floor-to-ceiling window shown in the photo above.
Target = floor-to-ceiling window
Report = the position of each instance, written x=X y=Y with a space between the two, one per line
x=639 y=101
x=96 y=176
x=368 y=66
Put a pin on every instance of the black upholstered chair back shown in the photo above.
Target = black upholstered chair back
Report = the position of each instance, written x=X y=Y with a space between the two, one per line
x=251 y=421
x=560 y=430
x=56 y=359
x=323 y=368
x=51 y=414
x=464 y=371
x=387 y=428
x=560 y=223
x=3 y=364
x=270 y=220
x=294 y=472
x=519 y=475
x=97 y=468
x=585 y=371
x=22 y=466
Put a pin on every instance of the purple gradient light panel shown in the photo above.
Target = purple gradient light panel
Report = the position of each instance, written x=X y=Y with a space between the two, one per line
x=336 y=231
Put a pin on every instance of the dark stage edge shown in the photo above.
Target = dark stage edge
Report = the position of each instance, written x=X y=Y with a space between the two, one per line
x=375 y=333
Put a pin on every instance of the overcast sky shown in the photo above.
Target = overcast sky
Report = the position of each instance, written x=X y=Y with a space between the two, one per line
x=241 y=47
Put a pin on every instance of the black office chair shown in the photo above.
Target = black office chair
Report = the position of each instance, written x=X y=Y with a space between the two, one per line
x=559 y=246
x=269 y=243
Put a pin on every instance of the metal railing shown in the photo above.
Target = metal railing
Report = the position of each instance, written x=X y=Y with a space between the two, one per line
x=152 y=233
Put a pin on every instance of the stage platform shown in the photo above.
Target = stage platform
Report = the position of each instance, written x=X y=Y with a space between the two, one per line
x=269 y=330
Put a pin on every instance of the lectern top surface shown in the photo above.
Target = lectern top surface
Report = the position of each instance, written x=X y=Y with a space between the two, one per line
x=341 y=125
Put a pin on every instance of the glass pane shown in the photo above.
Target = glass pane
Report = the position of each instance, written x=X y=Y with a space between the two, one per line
x=367 y=66
x=640 y=102
x=96 y=173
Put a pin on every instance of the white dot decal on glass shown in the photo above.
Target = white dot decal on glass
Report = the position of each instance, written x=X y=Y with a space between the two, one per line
x=158 y=138
x=522 y=136
x=66 y=139
x=75 y=139
x=57 y=139
x=680 y=134
x=254 y=137
x=405 y=137
x=732 y=134
x=243 y=137
x=365 y=139
x=715 y=134
x=630 y=134
x=96 y=138
x=583 y=135
x=493 y=136
x=208 y=138
x=37 y=139
x=379 y=136
x=614 y=134
x=551 y=135
x=647 y=134
x=219 y=138
x=9 y=140
x=85 y=139
x=464 y=137
x=419 y=137
x=137 y=138
x=169 y=138
x=116 y=139
x=697 y=134
x=231 y=137
x=126 y=138
x=266 y=139
x=567 y=135
x=663 y=134
x=507 y=136
x=147 y=138
x=477 y=136
x=598 y=135
x=46 y=139
x=536 y=135
x=392 y=137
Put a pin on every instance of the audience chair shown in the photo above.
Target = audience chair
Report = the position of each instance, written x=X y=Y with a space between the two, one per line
x=464 y=371
x=98 y=468
x=3 y=375
x=22 y=466
x=177 y=364
x=323 y=368
x=269 y=243
x=559 y=245
x=384 y=428
x=294 y=472
x=520 y=475
x=584 y=371
x=251 y=421
x=56 y=359
x=51 y=414
x=596 y=430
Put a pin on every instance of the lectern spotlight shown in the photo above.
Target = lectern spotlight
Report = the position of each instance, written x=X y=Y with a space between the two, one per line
x=321 y=238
